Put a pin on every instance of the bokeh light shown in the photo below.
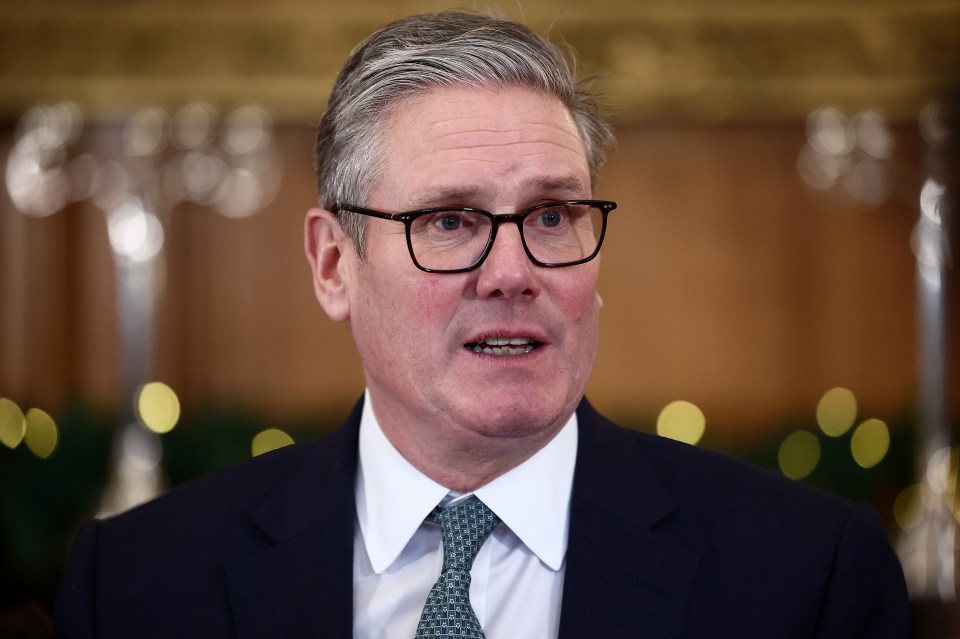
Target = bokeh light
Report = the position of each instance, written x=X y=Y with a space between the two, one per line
x=37 y=178
x=932 y=125
x=836 y=411
x=247 y=129
x=908 y=507
x=270 y=439
x=799 y=454
x=41 y=436
x=939 y=489
x=830 y=131
x=13 y=425
x=194 y=125
x=201 y=172
x=136 y=235
x=142 y=449
x=157 y=407
x=681 y=421
x=847 y=160
x=50 y=126
x=36 y=181
x=146 y=132
x=873 y=135
x=870 y=443
x=931 y=200
x=941 y=470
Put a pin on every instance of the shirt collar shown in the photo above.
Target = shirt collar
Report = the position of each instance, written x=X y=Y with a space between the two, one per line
x=533 y=499
x=393 y=498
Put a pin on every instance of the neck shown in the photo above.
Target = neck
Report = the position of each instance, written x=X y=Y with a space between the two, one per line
x=465 y=473
x=461 y=458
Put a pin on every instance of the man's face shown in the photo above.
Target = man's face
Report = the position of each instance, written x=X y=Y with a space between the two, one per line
x=501 y=151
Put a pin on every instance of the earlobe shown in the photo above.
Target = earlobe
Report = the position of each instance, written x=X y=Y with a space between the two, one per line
x=329 y=252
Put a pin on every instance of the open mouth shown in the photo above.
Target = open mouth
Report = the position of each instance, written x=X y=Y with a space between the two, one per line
x=503 y=346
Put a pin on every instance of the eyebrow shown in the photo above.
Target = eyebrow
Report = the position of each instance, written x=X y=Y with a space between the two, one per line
x=565 y=186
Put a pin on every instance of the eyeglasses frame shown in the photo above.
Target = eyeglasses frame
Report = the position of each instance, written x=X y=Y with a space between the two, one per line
x=518 y=217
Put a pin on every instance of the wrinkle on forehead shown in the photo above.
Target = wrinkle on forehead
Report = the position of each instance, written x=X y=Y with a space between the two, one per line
x=527 y=125
x=565 y=187
x=440 y=139
x=532 y=131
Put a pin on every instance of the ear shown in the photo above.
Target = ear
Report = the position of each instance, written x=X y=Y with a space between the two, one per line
x=599 y=300
x=332 y=262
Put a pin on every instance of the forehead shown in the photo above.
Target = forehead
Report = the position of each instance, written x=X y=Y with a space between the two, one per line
x=463 y=140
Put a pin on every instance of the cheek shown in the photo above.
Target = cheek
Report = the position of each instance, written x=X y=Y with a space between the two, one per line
x=578 y=299
x=411 y=309
x=580 y=306
x=376 y=311
x=433 y=299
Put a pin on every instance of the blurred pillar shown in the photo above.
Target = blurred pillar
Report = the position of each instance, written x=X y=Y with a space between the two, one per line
x=229 y=166
x=929 y=551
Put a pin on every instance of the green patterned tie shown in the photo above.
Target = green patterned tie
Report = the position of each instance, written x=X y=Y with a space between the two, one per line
x=448 y=613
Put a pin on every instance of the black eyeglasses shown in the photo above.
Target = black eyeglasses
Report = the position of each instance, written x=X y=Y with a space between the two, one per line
x=454 y=240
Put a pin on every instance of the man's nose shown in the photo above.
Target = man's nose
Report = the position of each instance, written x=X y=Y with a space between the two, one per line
x=508 y=272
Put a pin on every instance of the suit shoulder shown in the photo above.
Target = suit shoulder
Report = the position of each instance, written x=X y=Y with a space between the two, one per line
x=219 y=499
x=172 y=551
x=712 y=482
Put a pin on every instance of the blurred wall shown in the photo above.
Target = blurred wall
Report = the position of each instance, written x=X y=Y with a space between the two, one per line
x=727 y=282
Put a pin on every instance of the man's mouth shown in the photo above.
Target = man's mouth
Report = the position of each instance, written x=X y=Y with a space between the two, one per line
x=503 y=346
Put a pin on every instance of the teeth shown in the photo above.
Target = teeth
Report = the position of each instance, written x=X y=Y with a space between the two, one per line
x=507 y=341
x=504 y=346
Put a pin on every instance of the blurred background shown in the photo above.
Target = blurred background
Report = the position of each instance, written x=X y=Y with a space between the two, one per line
x=778 y=280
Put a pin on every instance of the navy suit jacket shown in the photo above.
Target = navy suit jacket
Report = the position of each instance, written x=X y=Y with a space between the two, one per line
x=666 y=541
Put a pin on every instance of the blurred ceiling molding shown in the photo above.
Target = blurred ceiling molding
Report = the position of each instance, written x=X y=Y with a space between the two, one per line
x=675 y=60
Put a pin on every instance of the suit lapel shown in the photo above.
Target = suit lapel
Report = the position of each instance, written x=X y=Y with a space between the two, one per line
x=623 y=579
x=300 y=584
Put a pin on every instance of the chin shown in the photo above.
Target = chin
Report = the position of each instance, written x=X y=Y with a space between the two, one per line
x=519 y=418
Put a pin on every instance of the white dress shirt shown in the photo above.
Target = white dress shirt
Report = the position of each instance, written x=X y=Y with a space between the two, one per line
x=517 y=577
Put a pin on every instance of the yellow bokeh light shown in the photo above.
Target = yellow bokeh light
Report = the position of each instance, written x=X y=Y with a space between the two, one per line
x=682 y=421
x=836 y=411
x=939 y=470
x=270 y=439
x=908 y=507
x=799 y=454
x=870 y=443
x=42 y=434
x=157 y=406
x=13 y=425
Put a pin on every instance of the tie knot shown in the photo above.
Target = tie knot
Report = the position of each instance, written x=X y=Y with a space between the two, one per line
x=447 y=611
x=464 y=527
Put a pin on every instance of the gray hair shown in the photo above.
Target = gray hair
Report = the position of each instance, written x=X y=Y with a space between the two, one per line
x=414 y=54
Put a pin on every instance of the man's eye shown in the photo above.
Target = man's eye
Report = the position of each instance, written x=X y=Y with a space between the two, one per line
x=450 y=222
x=551 y=218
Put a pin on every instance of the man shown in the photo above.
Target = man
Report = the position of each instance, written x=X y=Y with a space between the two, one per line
x=474 y=492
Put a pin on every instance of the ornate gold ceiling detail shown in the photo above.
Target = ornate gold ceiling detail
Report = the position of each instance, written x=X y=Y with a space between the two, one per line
x=700 y=61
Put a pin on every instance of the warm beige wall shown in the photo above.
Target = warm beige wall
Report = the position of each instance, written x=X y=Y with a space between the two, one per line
x=729 y=285
x=725 y=284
